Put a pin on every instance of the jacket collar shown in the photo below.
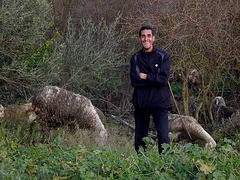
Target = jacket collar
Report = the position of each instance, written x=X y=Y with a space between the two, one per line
x=154 y=49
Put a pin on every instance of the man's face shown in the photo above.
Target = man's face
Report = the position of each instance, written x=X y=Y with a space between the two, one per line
x=147 y=39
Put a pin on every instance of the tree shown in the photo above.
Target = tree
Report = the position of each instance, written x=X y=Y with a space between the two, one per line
x=92 y=58
x=198 y=34
x=24 y=57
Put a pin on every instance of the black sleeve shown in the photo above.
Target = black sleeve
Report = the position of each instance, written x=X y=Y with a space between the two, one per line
x=136 y=81
x=161 y=77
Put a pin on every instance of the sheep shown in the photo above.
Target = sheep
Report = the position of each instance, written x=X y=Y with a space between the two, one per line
x=180 y=129
x=221 y=112
x=194 y=77
x=219 y=101
x=57 y=106
x=23 y=112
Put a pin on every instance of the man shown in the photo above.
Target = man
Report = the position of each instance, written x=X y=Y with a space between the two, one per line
x=149 y=74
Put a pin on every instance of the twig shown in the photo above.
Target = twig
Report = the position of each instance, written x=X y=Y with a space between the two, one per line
x=178 y=110
x=129 y=125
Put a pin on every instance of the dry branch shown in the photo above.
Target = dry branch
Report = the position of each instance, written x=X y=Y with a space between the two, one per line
x=129 y=125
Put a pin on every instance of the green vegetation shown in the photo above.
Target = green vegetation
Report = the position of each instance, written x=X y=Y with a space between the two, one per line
x=72 y=156
x=177 y=89
x=85 y=47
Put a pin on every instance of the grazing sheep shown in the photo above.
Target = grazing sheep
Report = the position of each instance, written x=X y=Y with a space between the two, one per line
x=101 y=115
x=57 y=106
x=177 y=131
x=23 y=112
x=196 y=131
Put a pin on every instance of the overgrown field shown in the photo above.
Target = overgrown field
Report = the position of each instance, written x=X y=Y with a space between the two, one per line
x=59 y=154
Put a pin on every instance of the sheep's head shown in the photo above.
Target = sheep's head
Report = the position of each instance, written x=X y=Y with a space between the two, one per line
x=194 y=76
x=219 y=101
x=211 y=144
x=1 y=111
x=101 y=138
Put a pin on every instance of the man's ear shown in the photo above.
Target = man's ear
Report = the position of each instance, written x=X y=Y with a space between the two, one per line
x=153 y=38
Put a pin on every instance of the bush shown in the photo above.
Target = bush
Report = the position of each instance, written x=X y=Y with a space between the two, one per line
x=26 y=60
x=77 y=162
x=92 y=60
x=57 y=159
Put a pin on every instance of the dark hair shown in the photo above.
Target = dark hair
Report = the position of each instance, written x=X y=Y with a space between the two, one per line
x=146 y=27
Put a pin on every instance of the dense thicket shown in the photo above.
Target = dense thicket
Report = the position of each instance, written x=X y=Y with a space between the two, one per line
x=86 y=46
x=26 y=55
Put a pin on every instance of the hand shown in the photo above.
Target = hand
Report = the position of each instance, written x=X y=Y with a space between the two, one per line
x=143 y=75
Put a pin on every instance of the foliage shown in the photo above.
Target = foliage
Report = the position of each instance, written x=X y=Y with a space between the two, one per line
x=55 y=161
x=26 y=55
x=203 y=35
x=92 y=59
x=90 y=56
x=59 y=159
x=177 y=89
x=23 y=24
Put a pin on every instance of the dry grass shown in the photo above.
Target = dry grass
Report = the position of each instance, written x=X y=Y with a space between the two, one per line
x=120 y=137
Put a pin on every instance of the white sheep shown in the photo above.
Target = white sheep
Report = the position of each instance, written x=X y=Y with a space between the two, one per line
x=57 y=106
x=23 y=112
x=180 y=129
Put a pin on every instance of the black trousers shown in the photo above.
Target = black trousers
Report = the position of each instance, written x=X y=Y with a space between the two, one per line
x=142 y=119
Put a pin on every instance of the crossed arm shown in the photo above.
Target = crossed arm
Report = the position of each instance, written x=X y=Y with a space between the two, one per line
x=141 y=79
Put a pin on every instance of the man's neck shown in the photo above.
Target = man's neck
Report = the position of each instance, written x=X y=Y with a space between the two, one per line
x=148 y=50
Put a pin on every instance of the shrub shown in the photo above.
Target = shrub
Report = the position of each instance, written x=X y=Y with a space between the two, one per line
x=26 y=59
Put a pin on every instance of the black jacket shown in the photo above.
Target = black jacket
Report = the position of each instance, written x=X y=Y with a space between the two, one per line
x=152 y=93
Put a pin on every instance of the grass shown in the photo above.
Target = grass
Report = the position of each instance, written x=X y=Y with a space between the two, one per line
x=60 y=154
